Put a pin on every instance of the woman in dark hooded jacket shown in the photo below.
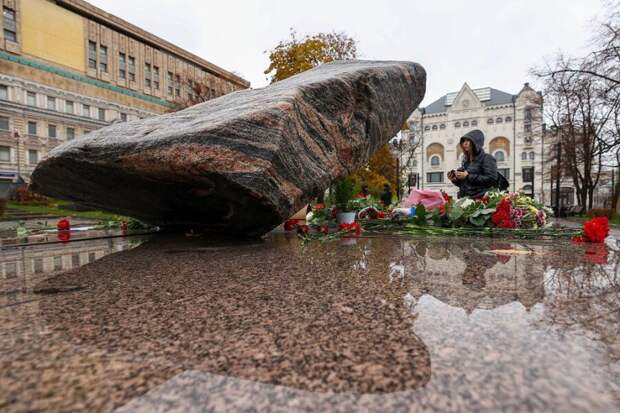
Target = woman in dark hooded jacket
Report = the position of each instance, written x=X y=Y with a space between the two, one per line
x=478 y=174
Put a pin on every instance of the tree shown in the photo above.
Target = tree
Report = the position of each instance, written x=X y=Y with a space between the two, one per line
x=199 y=92
x=294 y=55
x=582 y=98
x=381 y=169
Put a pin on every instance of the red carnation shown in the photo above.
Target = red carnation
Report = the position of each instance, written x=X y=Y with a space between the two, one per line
x=290 y=224
x=596 y=229
x=302 y=229
x=63 y=225
x=324 y=229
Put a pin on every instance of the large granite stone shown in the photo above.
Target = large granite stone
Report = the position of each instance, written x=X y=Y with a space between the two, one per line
x=242 y=163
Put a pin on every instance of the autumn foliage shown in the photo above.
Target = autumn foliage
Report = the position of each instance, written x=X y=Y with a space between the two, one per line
x=294 y=55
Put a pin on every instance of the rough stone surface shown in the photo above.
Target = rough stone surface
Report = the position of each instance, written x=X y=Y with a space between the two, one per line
x=242 y=163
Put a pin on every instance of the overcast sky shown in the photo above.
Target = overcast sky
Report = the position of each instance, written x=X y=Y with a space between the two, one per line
x=482 y=42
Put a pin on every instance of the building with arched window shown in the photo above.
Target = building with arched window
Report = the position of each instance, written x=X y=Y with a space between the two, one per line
x=512 y=126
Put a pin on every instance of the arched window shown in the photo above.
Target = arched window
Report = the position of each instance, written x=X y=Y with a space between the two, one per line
x=414 y=164
x=532 y=156
x=442 y=126
x=524 y=156
x=435 y=160
x=465 y=124
x=457 y=125
x=499 y=120
x=474 y=123
x=508 y=119
x=499 y=156
x=490 y=121
x=434 y=127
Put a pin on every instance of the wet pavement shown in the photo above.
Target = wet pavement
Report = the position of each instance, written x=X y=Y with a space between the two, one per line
x=370 y=324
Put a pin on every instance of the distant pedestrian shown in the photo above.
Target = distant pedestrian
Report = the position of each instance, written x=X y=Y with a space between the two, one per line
x=363 y=194
x=386 y=196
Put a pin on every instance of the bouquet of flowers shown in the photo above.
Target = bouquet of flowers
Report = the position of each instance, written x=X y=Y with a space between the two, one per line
x=509 y=210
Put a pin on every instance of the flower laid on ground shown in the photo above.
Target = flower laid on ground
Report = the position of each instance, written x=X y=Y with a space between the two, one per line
x=594 y=230
x=63 y=224
x=352 y=227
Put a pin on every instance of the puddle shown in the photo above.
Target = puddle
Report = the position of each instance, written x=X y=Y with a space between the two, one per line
x=382 y=323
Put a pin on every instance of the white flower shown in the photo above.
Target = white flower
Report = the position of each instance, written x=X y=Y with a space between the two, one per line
x=464 y=202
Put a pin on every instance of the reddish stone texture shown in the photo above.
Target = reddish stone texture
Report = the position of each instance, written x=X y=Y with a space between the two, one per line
x=242 y=163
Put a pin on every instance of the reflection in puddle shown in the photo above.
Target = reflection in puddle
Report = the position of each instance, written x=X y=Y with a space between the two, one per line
x=22 y=267
x=440 y=324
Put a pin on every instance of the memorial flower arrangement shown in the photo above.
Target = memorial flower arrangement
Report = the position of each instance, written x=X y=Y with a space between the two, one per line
x=501 y=214
x=510 y=210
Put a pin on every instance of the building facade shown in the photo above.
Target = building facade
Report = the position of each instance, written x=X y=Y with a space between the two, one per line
x=67 y=68
x=513 y=130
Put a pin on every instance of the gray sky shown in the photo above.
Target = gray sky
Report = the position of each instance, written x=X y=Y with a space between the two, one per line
x=482 y=42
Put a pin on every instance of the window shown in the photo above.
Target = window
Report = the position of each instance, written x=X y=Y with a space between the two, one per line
x=532 y=156
x=156 y=77
x=414 y=163
x=465 y=124
x=457 y=125
x=86 y=131
x=474 y=123
x=10 y=269
x=4 y=123
x=434 y=127
x=92 y=55
x=32 y=128
x=75 y=260
x=527 y=114
x=122 y=66
x=132 y=68
x=31 y=98
x=427 y=127
x=435 y=160
x=124 y=117
x=57 y=263
x=499 y=156
x=528 y=174
x=101 y=114
x=103 y=59
x=5 y=154
x=499 y=120
x=505 y=172
x=70 y=134
x=527 y=127
x=442 y=126
x=508 y=119
x=177 y=85
x=86 y=111
x=91 y=257
x=51 y=103
x=169 y=80
x=37 y=265
x=4 y=92
x=10 y=28
x=490 y=121
x=434 y=177
x=33 y=156
x=524 y=156
x=51 y=131
x=147 y=75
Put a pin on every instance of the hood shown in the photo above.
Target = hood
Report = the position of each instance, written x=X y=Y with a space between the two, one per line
x=477 y=137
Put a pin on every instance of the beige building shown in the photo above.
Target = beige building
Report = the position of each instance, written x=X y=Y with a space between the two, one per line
x=67 y=68
x=513 y=130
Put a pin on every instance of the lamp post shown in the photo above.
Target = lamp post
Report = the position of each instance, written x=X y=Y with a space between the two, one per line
x=557 y=178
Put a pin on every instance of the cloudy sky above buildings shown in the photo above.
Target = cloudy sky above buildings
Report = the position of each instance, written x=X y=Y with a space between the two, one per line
x=481 y=42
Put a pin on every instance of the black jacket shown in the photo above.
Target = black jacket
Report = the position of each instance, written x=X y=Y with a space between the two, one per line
x=482 y=171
